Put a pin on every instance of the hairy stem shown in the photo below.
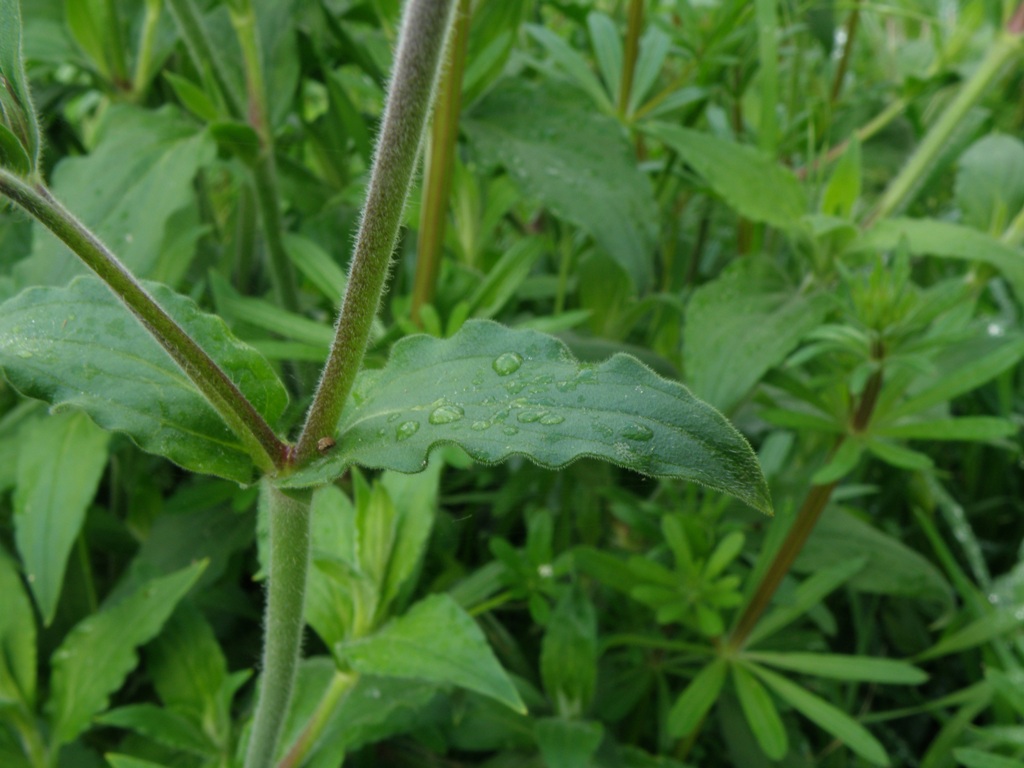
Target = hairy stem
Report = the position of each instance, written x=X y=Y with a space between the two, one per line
x=283 y=620
x=437 y=184
x=213 y=383
x=420 y=46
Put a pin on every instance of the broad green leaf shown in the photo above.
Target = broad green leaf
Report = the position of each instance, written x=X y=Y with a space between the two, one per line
x=127 y=189
x=48 y=513
x=576 y=163
x=843 y=667
x=163 y=726
x=760 y=713
x=17 y=638
x=12 y=67
x=498 y=392
x=567 y=743
x=435 y=642
x=932 y=237
x=976 y=758
x=825 y=716
x=989 y=187
x=697 y=699
x=751 y=183
x=963 y=428
x=99 y=652
x=78 y=347
x=741 y=325
x=893 y=568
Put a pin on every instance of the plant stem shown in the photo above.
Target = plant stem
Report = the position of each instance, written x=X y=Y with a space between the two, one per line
x=768 y=55
x=267 y=451
x=444 y=132
x=341 y=685
x=902 y=188
x=283 y=620
x=420 y=46
x=632 y=51
x=852 y=23
x=203 y=54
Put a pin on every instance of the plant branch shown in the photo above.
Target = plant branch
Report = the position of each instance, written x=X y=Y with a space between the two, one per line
x=632 y=51
x=213 y=383
x=286 y=597
x=420 y=46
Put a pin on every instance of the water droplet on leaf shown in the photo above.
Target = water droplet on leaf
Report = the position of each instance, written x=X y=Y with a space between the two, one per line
x=510 y=431
x=550 y=419
x=507 y=363
x=638 y=432
x=407 y=429
x=445 y=414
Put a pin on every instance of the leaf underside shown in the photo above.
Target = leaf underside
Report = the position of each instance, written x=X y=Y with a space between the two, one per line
x=498 y=392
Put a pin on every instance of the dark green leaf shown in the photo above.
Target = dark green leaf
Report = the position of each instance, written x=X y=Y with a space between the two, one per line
x=17 y=638
x=760 y=713
x=12 y=68
x=79 y=347
x=741 y=325
x=162 y=726
x=436 y=642
x=498 y=392
x=99 y=652
x=841 y=667
x=751 y=183
x=825 y=716
x=127 y=761
x=577 y=163
x=697 y=699
x=963 y=428
x=976 y=758
x=567 y=743
x=979 y=631
x=568 y=656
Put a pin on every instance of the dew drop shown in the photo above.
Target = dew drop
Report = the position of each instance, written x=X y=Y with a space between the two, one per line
x=407 y=429
x=638 y=432
x=550 y=419
x=394 y=417
x=446 y=414
x=511 y=431
x=507 y=363
x=24 y=353
x=480 y=426
x=529 y=417
x=515 y=387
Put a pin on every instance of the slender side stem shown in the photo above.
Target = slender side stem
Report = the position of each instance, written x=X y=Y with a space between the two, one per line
x=203 y=54
x=420 y=47
x=902 y=188
x=768 y=55
x=865 y=132
x=286 y=597
x=852 y=23
x=437 y=186
x=147 y=37
x=340 y=687
x=632 y=51
x=244 y=420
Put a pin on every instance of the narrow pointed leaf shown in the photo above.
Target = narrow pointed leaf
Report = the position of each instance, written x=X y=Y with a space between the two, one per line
x=99 y=652
x=48 y=513
x=78 y=347
x=435 y=642
x=17 y=638
x=760 y=713
x=963 y=428
x=837 y=666
x=498 y=392
x=825 y=716
x=697 y=699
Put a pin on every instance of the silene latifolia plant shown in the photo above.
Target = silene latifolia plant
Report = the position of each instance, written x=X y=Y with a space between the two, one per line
x=181 y=386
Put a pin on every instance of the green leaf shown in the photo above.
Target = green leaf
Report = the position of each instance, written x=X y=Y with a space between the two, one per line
x=568 y=656
x=17 y=638
x=976 y=758
x=99 y=652
x=741 y=325
x=751 y=183
x=193 y=97
x=900 y=456
x=573 y=64
x=825 y=716
x=989 y=187
x=498 y=392
x=78 y=347
x=47 y=514
x=127 y=761
x=963 y=428
x=604 y=37
x=842 y=667
x=577 y=164
x=12 y=67
x=697 y=699
x=843 y=188
x=932 y=237
x=436 y=642
x=567 y=743
x=760 y=713
x=504 y=278
x=127 y=190
x=163 y=726
x=979 y=631
x=843 y=461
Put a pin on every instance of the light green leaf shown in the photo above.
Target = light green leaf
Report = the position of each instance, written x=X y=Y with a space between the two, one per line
x=825 y=716
x=976 y=758
x=578 y=164
x=567 y=743
x=900 y=456
x=127 y=761
x=979 y=631
x=843 y=461
x=932 y=237
x=12 y=67
x=504 y=278
x=78 y=347
x=568 y=656
x=963 y=428
x=138 y=176
x=572 y=64
x=760 y=713
x=163 y=726
x=989 y=188
x=436 y=642
x=697 y=699
x=842 y=667
x=17 y=638
x=99 y=652
x=741 y=325
x=49 y=514
x=604 y=37
x=752 y=184
x=498 y=392
x=844 y=185
x=654 y=48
